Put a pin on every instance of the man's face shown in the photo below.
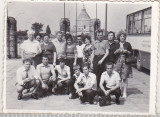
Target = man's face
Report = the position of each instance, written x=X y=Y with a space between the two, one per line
x=30 y=36
x=46 y=39
x=99 y=36
x=38 y=38
x=109 y=69
x=62 y=64
x=86 y=70
x=77 y=72
x=110 y=36
x=27 y=65
x=45 y=60
x=59 y=36
x=79 y=40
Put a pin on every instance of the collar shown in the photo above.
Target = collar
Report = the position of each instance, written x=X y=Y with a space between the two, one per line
x=108 y=74
x=89 y=76
x=24 y=69
x=122 y=43
x=42 y=65
x=111 y=43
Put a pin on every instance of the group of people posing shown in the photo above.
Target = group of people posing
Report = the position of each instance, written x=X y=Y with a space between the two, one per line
x=81 y=68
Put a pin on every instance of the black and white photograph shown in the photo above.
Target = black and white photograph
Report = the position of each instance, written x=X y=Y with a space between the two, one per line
x=80 y=57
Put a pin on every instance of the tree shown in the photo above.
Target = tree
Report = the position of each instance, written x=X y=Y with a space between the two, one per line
x=37 y=27
x=21 y=36
x=48 y=30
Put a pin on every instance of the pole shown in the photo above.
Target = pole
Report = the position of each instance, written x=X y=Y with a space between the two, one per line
x=76 y=18
x=106 y=22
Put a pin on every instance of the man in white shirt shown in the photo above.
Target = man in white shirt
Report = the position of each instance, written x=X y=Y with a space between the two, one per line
x=80 y=46
x=46 y=74
x=26 y=79
x=110 y=83
x=30 y=48
x=86 y=86
x=63 y=77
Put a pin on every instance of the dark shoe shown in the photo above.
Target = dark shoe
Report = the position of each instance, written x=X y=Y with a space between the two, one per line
x=34 y=96
x=19 y=96
x=117 y=101
x=91 y=102
x=83 y=100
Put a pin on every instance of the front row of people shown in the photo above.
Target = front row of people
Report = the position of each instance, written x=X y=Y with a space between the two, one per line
x=58 y=80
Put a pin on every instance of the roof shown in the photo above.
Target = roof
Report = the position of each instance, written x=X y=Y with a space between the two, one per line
x=83 y=15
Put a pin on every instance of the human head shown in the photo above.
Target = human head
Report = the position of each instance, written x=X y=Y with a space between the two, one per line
x=99 y=34
x=111 y=36
x=38 y=37
x=30 y=35
x=62 y=62
x=79 y=39
x=69 y=39
x=86 y=69
x=87 y=39
x=109 y=68
x=46 y=38
x=121 y=36
x=27 y=63
x=45 y=59
x=76 y=69
x=59 y=35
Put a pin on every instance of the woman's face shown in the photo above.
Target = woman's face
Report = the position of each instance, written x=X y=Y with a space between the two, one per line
x=38 y=38
x=122 y=38
x=110 y=36
x=46 y=39
x=87 y=41
x=69 y=41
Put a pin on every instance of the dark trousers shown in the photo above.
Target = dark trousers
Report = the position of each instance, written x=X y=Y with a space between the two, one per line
x=116 y=92
x=98 y=69
x=88 y=95
x=69 y=62
x=80 y=63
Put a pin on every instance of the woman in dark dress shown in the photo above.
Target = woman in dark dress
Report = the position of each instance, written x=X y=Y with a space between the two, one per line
x=123 y=51
x=49 y=49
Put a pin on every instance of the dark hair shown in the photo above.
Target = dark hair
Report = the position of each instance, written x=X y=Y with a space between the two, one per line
x=109 y=63
x=121 y=33
x=76 y=67
x=69 y=36
x=110 y=33
x=87 y=37
x=45 y=56
x=62 y=60
x=99 y=31
x=85 y=65
x=59 y=32
x=37 y=34
x=45 y=34
x=27 y=60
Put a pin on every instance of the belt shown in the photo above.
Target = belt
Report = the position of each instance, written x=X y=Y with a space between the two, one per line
x=99 y=55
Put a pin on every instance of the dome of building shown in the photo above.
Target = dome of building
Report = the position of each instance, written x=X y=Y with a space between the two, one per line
x=83 y=15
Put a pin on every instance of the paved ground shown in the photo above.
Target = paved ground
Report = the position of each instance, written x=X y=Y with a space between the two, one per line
x=137 y=101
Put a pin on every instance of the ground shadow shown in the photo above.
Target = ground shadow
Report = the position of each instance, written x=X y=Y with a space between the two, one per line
x=131 y=91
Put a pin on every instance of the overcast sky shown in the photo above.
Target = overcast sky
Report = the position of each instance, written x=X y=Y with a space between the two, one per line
x=50 y=13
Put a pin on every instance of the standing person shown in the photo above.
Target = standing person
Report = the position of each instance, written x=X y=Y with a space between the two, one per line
x=87 y=51
x=30 y=48
x=49 y=49
x=63 y=77
x=46 y=74
x=26 y=79
x=100 y=52
x=86 y=86
x=38 y=37
x=110 y=83
x=111 y=56
x=123 y=51
x=80 y=46
x=60 y=45
x=71 y=53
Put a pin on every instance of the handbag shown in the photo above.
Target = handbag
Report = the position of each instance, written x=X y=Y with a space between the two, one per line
x=131 y=60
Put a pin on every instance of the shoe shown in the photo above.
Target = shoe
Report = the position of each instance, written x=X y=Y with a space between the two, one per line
x=19 y=96
x=34 y=96
x=117 y=101
x=82 y=100
x=91 y=102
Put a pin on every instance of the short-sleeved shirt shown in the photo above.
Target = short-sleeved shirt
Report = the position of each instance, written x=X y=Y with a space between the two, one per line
x=22 y=74
x=110 y=81
x=100 y=47
x=88 y=81
x=45 y=71
x=80 y=50
x=48 y=50
x=63 y=73
x=31 y=46
x=60 y=48
x=80 y=75
x=71 y=50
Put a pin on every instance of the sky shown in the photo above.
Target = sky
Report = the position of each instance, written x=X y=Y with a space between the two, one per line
x=50 y=13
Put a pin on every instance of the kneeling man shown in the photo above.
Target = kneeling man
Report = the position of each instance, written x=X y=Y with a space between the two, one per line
x=86 y=86
x=110 y=83
x=26 y=79
x=46 y=74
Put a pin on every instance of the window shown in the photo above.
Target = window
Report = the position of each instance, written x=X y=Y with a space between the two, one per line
x=139 y=22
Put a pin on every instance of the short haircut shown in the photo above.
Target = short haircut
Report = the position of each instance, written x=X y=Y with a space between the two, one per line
x=99 y=31
x=27 y=60
x=45 y=56
x=37 y=34
x=109 y=63
x=112 y=33
x=85 y=65
x=121 y=33
x=87 y=37
x=62 y=60
x=59 y=32
x=69 y=36
x=30 y=32
x=45 y=34
x=76 y=67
